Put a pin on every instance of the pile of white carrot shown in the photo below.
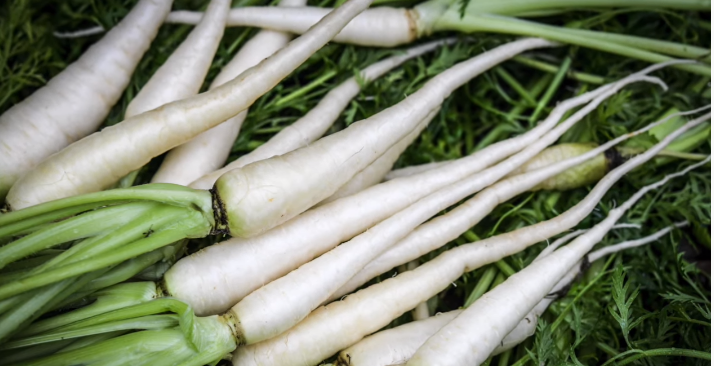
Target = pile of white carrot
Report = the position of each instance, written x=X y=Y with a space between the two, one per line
x=312 y=219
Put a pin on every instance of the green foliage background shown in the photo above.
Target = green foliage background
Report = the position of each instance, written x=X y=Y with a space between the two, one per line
x=626 y=306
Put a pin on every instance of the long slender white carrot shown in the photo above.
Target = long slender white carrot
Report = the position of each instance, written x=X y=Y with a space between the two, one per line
x=445 y=228
x=261 y=317
x=182 y=74
x=413 y=169
x=343 y=323
x=97 y=161
x=316 y=122
x=209 y=150
x=221 y=275
x=75 y=102
x=499 y=310
x=570 y=179
x=397 y=345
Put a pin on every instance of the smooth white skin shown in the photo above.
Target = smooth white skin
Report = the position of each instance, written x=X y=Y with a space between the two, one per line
x=342 y=323
x=319 y=119
x=182 y=74
x=75 y=102
x=209 y=150
x=96 y=162
x=263 y=314
x=376 y=27
x=217 y=277
x=499 y=310
x=269 y=192
x=414 y=169
x=375 y=172
x=445 y=228
x=397 y=345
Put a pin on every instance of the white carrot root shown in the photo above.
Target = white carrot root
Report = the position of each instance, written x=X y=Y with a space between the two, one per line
x=182 y=74
x=341 y=324
x=96 y=162
x=262 y=317
x=209 y=150
x=445 y=228
x=375 y=172
x=316 y=122
x=499 y=310
x=414 y=169
x=221 y=275
x=386 y=27
x=269 y=192
x=75 y=102
x=397 y=345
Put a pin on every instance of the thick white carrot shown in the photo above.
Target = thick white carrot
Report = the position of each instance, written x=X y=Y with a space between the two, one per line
x=269 y=192
x=445 y=228
x=261 y=317
x=397 y=345
x=376 y=171
x=209 y=150
x=75 y=102
x=96 y=162
x=387 y=27
x=316 y=122
x=221 y=275
x=499 y=310
x=182 y=74
x=343 y=323
x=380 y=26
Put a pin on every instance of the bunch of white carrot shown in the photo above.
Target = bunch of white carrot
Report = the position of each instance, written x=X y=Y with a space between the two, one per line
x=288 y=205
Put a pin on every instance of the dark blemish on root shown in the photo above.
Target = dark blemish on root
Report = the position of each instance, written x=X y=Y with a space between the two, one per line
x=219 y=214
x=614 y=158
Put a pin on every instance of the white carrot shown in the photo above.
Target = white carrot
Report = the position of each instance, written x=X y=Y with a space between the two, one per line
x=343 y=323
x=262 y=317
x=209 y=150
x=316 y=122
x=397 y=345
x=389 y=27
x=75 y=102
x=182 y=74
x=221 y=275
x=414 y=169
x=445 y=228
x=499 y=310
x=96 y=162
x=376 y=171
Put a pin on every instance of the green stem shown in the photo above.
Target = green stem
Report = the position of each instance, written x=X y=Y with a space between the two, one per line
x=481 y=286
x=672 y=352
x=552 y=88
x=513 y=7
x=510 y=80
x=507 y=270
x=654 y=45
x=553 y=69
x=139 y=323
x=107 y=300
x=306 y=89
x=522 y=361
x=157 y=240
x=451 y=20
x=35 y=221
x=692 y=321
x=170 y=194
